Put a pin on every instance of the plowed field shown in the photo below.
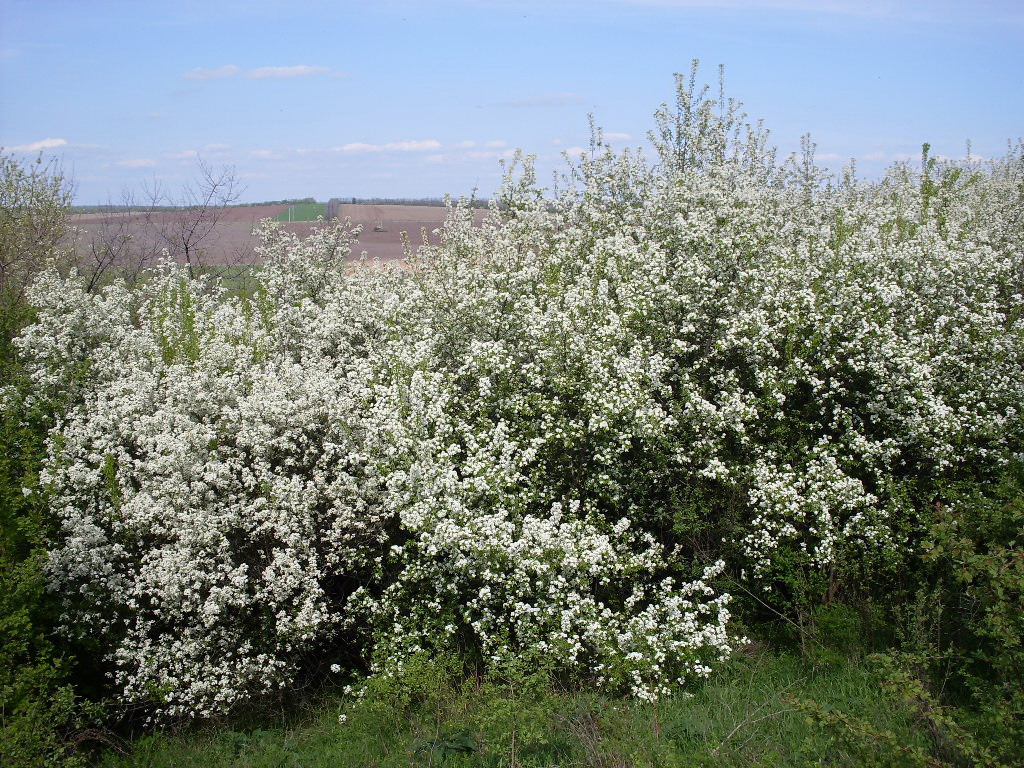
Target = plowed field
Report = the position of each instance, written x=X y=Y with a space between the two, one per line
x=232 y=240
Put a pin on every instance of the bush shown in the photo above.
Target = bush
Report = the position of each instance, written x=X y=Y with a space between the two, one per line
x=546 y=437
x=973 y=656
x=39 y=710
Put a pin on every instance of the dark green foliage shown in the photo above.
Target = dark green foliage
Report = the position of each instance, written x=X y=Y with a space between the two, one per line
x=38 y=707
x=974 y=563
x=957 y=665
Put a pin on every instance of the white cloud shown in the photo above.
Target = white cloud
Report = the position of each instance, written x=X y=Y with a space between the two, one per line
x=359 y=146
x=265 y=154
x=299 y=70
x=613 y=136
x=496 y=144
x=185 y=154
x=575 y=151
x=216 y=73
x=424 y=145
x=143 y=162
x=36 y=146
x=414 y=146
x=543 y=100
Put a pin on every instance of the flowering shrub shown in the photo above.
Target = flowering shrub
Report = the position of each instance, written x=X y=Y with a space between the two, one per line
x=210 y=485
x=546 y=436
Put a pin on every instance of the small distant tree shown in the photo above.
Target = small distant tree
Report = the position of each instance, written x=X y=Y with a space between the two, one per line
x=35 y=198
x=200 y=206
x=118 y=241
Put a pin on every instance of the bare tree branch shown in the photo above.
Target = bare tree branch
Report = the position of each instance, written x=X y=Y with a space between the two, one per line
x=183 y=225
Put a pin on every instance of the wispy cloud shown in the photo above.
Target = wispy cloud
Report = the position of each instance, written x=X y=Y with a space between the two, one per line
x=874 y=157
x=259 y=73
x=857 y=7
x=299 y=70
x=424 y=145
x=216 y=73
x=471 y=155
x=207 y=150
x=972 y=158
x=931 y=10
x=613 y=136
x=36 y=146
x=543 y=100
x=142 y=162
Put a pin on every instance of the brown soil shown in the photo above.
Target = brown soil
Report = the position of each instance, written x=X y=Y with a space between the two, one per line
x=386 y=245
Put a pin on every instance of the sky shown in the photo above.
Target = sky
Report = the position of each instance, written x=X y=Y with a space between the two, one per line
x=405 y=98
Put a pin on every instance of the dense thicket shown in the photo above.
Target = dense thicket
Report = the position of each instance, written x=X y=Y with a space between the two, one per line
x=38 y=707
x=577 y=433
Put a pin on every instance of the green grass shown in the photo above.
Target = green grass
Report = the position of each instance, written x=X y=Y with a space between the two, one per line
x=302 y=212
x=238 y=280
x=741 y=717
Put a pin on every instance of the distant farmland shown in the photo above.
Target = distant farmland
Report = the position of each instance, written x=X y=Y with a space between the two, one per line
x=232 y=241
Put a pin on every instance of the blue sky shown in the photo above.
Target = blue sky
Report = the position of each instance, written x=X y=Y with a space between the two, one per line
x=402 y=98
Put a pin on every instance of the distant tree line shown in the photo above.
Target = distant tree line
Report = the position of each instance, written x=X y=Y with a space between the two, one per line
x=436 y=202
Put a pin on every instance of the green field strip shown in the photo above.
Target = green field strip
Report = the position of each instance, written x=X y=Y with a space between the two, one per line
x=302 y=212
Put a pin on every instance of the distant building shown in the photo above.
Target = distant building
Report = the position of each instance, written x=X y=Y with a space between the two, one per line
x=333 y=209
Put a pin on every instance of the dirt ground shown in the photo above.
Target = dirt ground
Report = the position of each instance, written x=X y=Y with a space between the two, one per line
x=386 y=245
x=232 y=241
